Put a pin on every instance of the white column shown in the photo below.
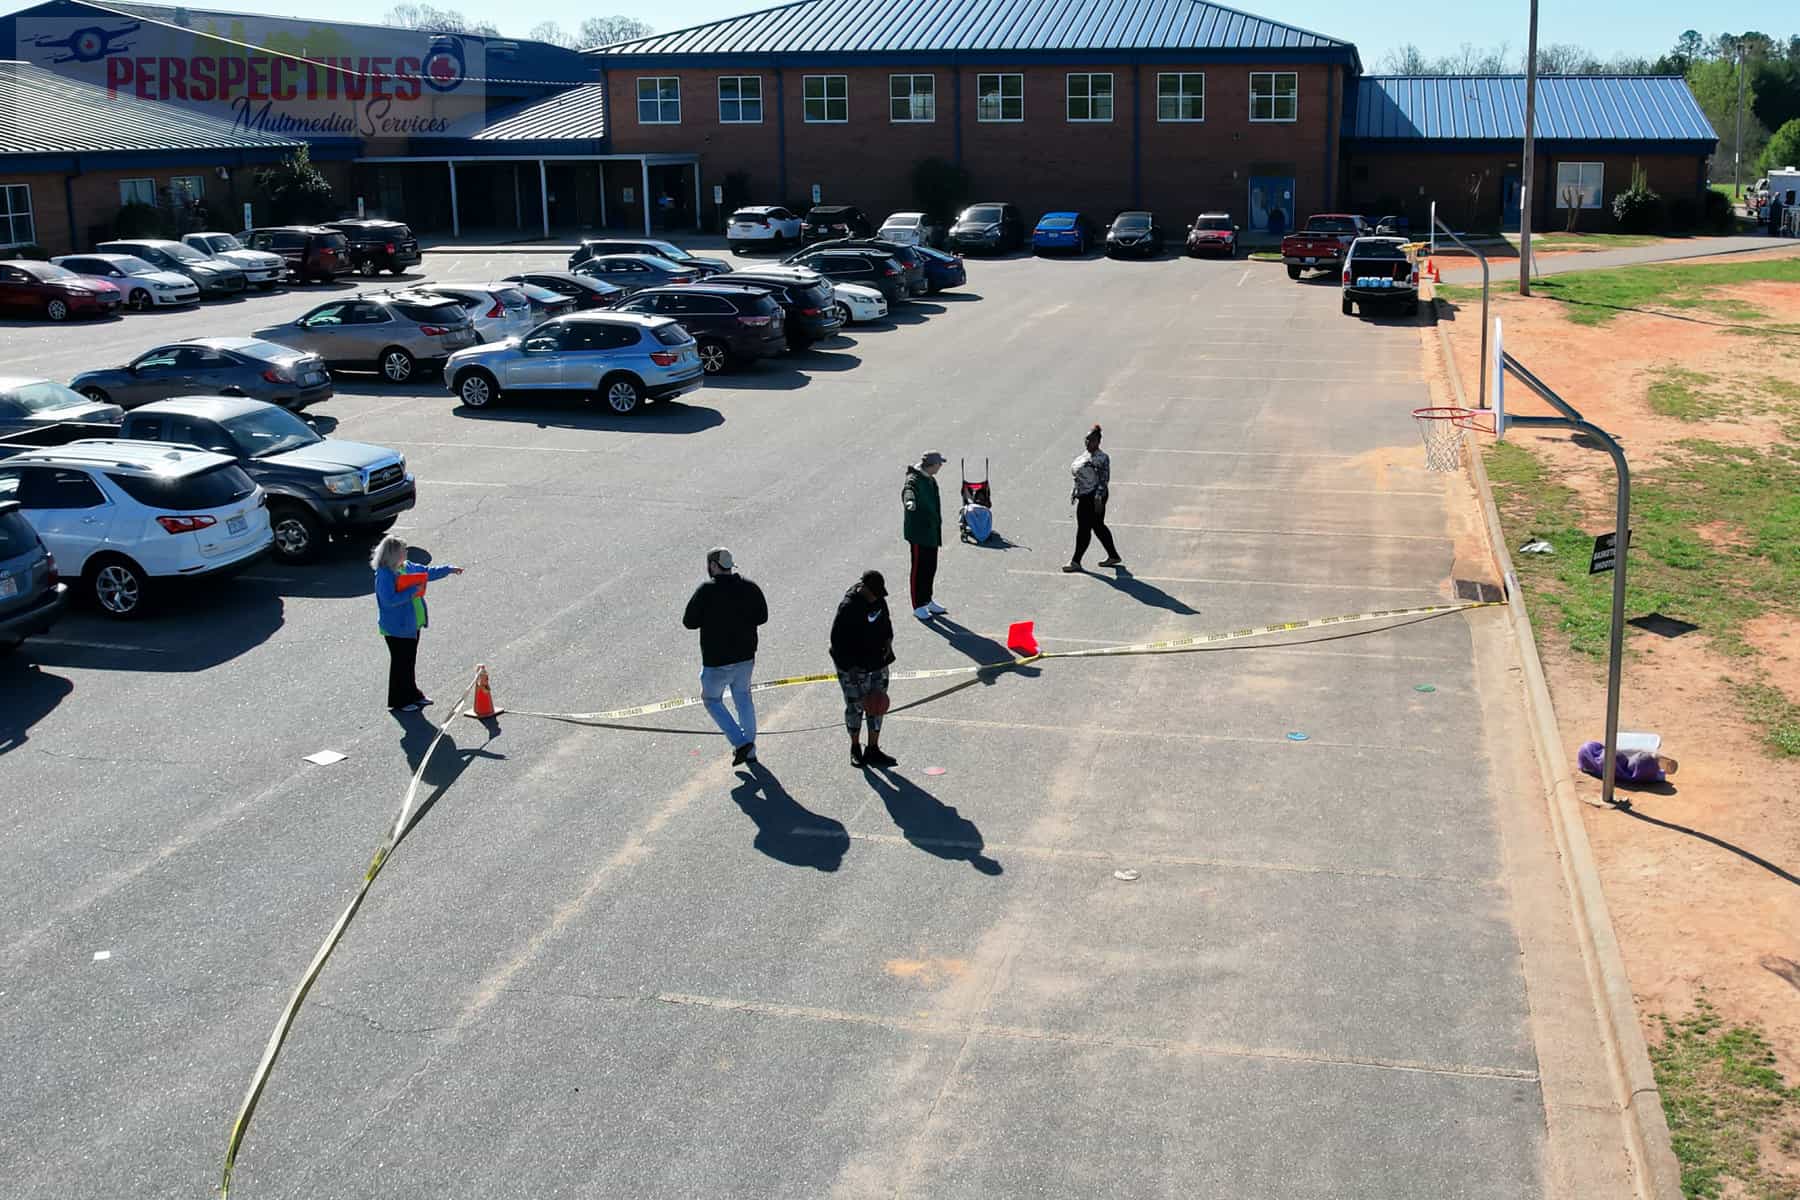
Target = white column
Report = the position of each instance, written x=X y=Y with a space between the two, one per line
x=455 y=217
x=644 y=195
x=544 y=196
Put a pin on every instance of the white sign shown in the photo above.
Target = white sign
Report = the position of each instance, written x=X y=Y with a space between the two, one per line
x=249 y=222
x=718 y=194
x=817 y=194
x=630 y=195
x=359 y=208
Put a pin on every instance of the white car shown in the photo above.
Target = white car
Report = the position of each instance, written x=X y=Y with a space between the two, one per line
x=261 y=268
x=911 y=229
x=858 y=304
x=761 y=225
x=122 y=515
x=497 y=310
x=143 y=286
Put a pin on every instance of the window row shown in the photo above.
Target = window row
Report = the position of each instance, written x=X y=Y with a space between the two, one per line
x=183 y=189
x=999 y=97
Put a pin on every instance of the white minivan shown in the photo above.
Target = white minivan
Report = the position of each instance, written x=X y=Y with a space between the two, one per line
x=121 y=516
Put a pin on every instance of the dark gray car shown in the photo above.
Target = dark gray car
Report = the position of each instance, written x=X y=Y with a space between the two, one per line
x=214 y=366
x=389 y=332
x=31 y=598
x=215 y=276
x=634 y=272
x=26 y=402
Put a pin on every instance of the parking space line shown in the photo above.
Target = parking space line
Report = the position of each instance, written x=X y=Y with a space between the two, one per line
x=1324 y=533
x=1278 y=583
x=1233 y=453
x=79 y=644
x=1286 y=491
x=1159 y=733
x=1303 y=649
x=496 y=446
x=461 y=483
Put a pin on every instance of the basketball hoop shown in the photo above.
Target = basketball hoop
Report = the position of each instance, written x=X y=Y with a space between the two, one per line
x=1443 y=432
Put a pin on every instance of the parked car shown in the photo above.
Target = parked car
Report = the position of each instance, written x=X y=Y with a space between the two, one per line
x=377 y=245
x=215 y=277
x=29 y=288
x=730 y=324
x=912 y=229
x=873 y=268
x=1380 y=271
x=761 y=225
x=390 y=332
x=655 y=247
x=261 y=268
x=994 y=226
x=825 y=221
x=32 y=597
x=857 y=304
x=911 y=260
x=1062 y=231
x=317 y=487
x=621 y=359
x=25 y=402
x=310 y=251
x=634 y=272
x=943 y=270
x=125 y=517
x=584 y=291
x=805 y=297
x=496 y=310
x=1393 y=225
x=545 y=302
x=141 y=285
x=1134 y=234
x=1322 y=244
x=1212 y=233
x=212 y=366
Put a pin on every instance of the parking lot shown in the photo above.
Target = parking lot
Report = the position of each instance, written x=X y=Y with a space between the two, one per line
x=604 y=963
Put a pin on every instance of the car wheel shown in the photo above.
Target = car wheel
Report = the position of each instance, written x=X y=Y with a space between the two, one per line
x=118 y=587
x=298 y=534
x=714 y=356
x=843 y=311
x=57 y=310
x=477 y=389
x=141 y=302
x=369 y=269
x=97 y=395
x=1293 y=272
x=1349 y=308
x=397 y=270
x=621 y=393
x=396 y=365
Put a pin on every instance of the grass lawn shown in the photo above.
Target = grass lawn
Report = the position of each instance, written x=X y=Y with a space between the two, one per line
x=1591 y=241
x=1715 y=542
x=1729 y=191
x=1596 y=297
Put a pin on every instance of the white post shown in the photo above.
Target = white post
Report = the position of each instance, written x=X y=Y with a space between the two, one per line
x=455 y=217
x=1433 y=251
x=644 y=164
x=544 y=196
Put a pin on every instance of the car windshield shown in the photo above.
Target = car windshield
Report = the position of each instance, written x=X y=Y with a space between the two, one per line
x=750 y=215
x=185 y=253
x=1330 y=225
x=269 y=352
x=660 y=264
x=985 y=212
x=901 y=221
x=1132 y=221
x=221 y=242
x=44 y=270
x=45 y=396
x=132 y=265
x=212 y=488
x=447 y=313
x=1392 y=251
x=1057 y=223
x=1213 y=223
x=670 y=251
x=269 y=431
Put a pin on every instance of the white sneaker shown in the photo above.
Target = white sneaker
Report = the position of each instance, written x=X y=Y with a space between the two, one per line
x=924 y=614
x=936 y=608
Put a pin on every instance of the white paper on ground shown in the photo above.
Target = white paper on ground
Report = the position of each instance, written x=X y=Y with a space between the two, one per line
x=325 y=758
x=1651 y=742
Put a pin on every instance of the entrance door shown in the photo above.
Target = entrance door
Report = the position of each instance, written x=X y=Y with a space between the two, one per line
x=1272 y=204
x=1512 y=192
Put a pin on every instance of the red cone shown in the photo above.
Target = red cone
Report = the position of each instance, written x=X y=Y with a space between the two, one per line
x=1021 y=640
x=484 y=696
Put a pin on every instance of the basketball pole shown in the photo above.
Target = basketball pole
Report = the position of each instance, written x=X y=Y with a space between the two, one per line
x=1525 y=180
x=1482 y=395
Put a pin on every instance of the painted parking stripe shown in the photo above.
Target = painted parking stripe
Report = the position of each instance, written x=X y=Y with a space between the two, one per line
x=79 y=644
x=1277 y=583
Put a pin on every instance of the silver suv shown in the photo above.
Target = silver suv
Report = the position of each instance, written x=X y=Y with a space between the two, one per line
x=390 y=332
x=621 y=359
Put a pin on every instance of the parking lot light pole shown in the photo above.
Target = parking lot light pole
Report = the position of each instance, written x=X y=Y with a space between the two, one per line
x=1526 y=186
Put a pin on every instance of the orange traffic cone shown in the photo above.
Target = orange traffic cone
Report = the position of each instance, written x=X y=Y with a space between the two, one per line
x=1020 y=639
x=484 y=696
x=1431 y=270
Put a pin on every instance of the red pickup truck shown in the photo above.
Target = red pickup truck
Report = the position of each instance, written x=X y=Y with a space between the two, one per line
x=1321 y=246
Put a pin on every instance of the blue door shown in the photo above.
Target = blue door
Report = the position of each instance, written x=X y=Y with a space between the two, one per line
x=1511 y=192
x=1272 y=204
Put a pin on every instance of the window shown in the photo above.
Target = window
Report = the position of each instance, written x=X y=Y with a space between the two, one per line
x=16 y=227
x=740 y=99
x=1274 y=96
x=189 y=189
x=826 y=98
x=1578 y=184
x=912 y=98
x=659 y=100
x=999 y=97
x=213 y=488
x=1090 y=98
x=58 y=487
x=1181 y=97
x=137 y=191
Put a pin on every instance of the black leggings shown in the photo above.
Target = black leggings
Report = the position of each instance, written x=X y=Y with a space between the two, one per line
x=403 y=653
x=1090 y=521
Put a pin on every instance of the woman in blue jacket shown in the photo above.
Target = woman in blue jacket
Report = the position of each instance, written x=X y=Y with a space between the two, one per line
x=401 y=615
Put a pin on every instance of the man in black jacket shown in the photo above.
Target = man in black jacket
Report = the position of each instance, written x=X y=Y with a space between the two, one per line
x=726 y=609
x=862 y=646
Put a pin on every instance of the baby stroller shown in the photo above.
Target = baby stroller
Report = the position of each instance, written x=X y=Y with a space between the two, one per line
x=977 y=516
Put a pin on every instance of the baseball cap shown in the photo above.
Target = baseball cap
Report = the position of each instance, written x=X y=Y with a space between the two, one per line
x=874 y=582
x=720 y=557
x=931 y=458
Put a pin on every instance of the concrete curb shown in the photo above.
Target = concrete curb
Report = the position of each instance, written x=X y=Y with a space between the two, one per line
x=1655 y=1170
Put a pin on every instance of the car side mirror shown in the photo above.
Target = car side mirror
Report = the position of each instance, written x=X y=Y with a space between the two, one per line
x=1237 y=229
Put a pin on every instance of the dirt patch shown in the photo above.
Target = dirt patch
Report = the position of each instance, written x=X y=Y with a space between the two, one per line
x=1776 y=641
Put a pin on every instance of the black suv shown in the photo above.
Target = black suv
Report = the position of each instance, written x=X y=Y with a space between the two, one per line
x=805 y=297
x=311 y=251
x=731 y=324
x=586 y=291
x=31 y=598
x=835 y=221
x=872 y=268
x=377 y=245
x=993 y=225
x=909 y=257
x=316 y=486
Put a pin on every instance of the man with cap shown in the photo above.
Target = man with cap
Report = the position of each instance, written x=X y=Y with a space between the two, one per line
x=727 y=609
x=924 y=530
x=862 y=646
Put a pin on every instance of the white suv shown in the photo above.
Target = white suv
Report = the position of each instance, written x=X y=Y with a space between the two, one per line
x=761 y=225
x=120 y=515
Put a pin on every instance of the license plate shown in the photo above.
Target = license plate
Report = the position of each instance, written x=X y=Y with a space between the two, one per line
x=314 y=377
x=1306 y=260
x=236 y=525
x=8 y=586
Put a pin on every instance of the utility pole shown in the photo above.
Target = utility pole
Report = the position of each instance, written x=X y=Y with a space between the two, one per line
x=1528 y=190
x=1737 y=152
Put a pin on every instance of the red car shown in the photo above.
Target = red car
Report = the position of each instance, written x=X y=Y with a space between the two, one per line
x=29 y=288
x=1212 y=233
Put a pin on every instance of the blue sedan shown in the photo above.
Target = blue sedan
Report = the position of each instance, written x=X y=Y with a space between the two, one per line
x=1062 y=231
x=943 y=270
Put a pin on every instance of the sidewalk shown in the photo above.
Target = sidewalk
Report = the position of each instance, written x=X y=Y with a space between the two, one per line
x=1601 y=260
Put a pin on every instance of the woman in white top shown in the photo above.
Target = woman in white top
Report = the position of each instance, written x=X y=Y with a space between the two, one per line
x=1093 y=478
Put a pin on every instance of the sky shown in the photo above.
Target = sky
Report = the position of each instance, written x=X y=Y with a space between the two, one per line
x=1607 y=27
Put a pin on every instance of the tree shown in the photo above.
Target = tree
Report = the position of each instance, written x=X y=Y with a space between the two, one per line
x=604 y=31
x=550 y=31
x=435 y=20
x=1783 y=149
x=1564 y=58
x=1406 y=60
x=1714 y=83
x=293 y=192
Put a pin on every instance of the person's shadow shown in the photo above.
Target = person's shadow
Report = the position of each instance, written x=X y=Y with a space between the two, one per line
x=984 y=650
x=786 y=831
x=417 y=731
x=929 y=823
x=1147 y=594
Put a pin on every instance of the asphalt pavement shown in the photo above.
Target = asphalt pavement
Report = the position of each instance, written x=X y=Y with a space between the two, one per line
x=605 y=963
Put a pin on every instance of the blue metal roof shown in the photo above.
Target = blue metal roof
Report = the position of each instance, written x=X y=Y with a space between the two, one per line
x=1491 y=108
x=44 y=113
x=847 y=28
x=577 y=113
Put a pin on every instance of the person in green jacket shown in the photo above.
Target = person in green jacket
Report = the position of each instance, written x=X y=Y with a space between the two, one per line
x=924 y=530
